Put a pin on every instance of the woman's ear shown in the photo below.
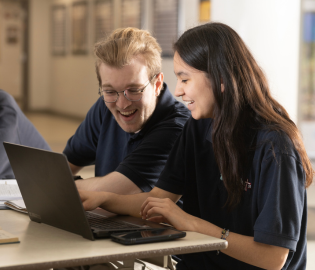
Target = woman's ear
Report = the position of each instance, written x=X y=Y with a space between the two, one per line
x=159 y=84
x=222 y=87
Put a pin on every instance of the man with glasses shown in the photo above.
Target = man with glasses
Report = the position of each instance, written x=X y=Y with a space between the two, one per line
x=129 y=132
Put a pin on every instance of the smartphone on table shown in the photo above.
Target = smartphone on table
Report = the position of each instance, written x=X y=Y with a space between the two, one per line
x=147 y=236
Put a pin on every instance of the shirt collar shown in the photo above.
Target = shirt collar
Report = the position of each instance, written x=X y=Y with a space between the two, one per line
x=209 y=132
x=165 y=100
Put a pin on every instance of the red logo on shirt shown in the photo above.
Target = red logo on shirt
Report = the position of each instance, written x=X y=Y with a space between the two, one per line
x=247 y=185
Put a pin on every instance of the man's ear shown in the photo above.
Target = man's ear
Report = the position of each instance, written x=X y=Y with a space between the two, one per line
x=159 y=84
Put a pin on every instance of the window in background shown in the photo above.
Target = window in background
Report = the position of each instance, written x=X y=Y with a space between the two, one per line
x=104 y=18
x=131 y=13
x=307 y=95
x=308 y=66
x=165 y=24
x=80 y=27
x=204 y=10
x=59 y=30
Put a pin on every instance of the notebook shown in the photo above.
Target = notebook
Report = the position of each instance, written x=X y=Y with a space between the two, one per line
x=51 y=197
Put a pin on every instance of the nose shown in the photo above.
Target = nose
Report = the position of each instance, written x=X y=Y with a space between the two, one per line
x=178 y=90
x=122 y=102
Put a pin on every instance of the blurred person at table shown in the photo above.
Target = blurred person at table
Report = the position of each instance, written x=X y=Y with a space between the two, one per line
x=15 y=128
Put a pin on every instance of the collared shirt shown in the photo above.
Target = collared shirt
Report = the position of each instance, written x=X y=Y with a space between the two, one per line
x=273 y=207
x=139 y=156
x=15 y=128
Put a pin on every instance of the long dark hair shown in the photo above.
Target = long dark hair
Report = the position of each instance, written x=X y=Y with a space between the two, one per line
x=217 y=50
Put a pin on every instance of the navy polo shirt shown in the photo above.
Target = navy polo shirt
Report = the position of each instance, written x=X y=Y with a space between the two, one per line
x=142 y=156
x=15 y=128
x=273 y=208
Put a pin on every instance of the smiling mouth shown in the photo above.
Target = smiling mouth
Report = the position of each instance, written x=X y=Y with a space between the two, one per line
x=127 y=113
x=189 y=102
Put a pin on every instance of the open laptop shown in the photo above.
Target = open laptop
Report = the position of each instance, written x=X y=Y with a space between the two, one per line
x=51 y=197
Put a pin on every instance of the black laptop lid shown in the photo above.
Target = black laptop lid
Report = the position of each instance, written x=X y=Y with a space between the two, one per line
x=48 y=189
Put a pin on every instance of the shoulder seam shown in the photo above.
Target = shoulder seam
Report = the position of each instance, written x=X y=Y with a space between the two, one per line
x=289 y=155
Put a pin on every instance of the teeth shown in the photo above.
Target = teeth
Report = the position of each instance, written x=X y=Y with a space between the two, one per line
x=188 y=102
x=127 y=113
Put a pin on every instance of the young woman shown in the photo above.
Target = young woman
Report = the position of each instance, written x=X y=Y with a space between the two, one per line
x=240 y=162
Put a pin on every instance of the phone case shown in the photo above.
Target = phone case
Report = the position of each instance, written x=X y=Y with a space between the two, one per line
x=169 y=234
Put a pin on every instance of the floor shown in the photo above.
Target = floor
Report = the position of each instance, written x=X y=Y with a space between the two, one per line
x=57 y=130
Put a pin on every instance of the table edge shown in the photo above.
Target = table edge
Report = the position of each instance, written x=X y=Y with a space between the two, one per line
x=119 y=257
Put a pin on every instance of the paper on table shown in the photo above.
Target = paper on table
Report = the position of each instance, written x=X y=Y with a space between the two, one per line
x=17 y=205
x=9 y=190
x=7 y=238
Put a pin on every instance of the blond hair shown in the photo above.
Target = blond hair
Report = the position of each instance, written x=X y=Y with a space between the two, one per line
x=123 y=44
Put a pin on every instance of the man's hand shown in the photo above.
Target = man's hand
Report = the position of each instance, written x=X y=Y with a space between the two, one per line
x=120 y=204
x=92 y=199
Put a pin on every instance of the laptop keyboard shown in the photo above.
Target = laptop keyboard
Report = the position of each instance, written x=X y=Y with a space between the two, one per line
x=100 y=222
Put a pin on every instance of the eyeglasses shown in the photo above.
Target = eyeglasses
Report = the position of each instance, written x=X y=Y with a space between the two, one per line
x=132 y=94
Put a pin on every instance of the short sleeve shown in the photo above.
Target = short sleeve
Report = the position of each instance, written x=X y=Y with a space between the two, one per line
x=81 y=147
x=281 y=201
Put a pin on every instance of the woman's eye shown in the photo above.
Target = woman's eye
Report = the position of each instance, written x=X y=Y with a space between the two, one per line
x=184 y=81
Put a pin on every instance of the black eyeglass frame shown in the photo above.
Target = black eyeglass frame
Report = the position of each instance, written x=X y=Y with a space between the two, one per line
x=140 y=90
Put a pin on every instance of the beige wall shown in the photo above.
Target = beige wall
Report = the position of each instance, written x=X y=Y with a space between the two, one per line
x=74 y=85
x=62 y=84
x=271 y=30
x=68 y=84
x=11 y=15
x=40 y=76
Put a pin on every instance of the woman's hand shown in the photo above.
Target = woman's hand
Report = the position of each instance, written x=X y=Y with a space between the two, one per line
x=165 y=210
x=91 y=199
x=240 y=247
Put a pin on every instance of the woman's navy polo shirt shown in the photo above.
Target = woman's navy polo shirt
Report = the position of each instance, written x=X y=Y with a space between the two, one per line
x=273 y=209
x=142 y=156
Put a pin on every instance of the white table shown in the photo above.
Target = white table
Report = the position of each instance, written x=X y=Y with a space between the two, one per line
x=44 y=247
